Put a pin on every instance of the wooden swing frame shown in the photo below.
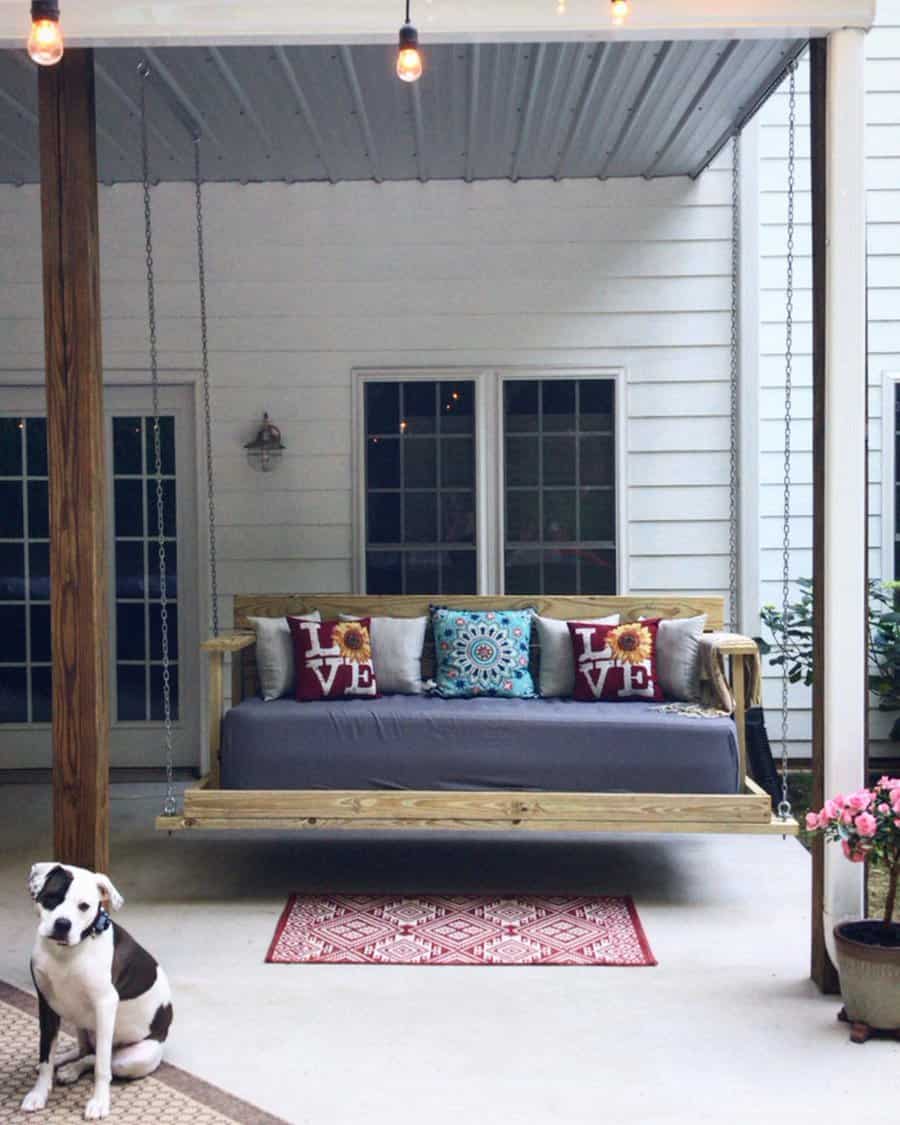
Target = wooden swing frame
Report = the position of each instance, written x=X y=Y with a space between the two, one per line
x=207 y=806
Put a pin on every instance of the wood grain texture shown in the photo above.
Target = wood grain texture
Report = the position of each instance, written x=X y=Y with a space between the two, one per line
x=75 y=436
x=773 y=827
x=423 y=805
x=822 y=970
x=563 y=607
x=216 y=703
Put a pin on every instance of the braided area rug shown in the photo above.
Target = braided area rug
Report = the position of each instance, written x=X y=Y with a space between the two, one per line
x=460 y=930
x=168 y=1097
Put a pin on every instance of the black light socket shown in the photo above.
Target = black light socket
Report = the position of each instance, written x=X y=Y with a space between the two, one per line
x=409 y=38
x=45 y=10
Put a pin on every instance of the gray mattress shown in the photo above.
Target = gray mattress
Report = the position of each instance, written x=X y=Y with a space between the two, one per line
x=416 y=742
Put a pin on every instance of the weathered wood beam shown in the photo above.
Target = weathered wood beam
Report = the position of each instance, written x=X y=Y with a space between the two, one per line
x=821 y=968
x=74 y=370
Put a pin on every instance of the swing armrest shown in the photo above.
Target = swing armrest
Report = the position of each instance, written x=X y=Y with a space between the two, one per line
x=229 y=642
x=218 y=647
x=737 y=657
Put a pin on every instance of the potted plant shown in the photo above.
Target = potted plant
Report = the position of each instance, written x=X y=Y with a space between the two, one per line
x=867 y=826
x=791 y=642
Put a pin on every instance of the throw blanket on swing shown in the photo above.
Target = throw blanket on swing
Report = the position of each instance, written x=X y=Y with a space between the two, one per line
x=716 y=697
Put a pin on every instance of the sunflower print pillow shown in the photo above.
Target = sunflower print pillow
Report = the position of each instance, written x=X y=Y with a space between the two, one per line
x=615 y=663
x=333 y=659
x=482 y=652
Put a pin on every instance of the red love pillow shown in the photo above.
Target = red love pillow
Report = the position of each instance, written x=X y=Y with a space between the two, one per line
x=334 y=659
x=615 y=663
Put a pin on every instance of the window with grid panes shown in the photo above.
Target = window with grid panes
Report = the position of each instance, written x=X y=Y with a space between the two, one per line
x=555 y=524
x=420 y=487
x=559 y=486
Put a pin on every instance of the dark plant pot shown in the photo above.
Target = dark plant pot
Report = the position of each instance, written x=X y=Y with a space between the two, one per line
x=869 y=964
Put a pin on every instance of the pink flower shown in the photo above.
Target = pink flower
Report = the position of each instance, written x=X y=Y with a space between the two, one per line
x=884 y=808
x=832 y=810
x=812 y=821
x=897 y=822
x=846 y=817
x=866 y=824
x=895 y=800
x=860 y=801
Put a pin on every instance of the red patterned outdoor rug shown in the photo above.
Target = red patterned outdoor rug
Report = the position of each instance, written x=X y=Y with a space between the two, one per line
x=459 y=930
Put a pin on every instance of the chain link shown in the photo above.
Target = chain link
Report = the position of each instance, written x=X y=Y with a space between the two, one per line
x=733 y=383
x=170 y=804
x=784 y=807
x=207 y=410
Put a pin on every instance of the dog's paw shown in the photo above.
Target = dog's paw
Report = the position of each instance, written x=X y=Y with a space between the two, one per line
x=34 y=1100
x=69 y=1074
x=97 y=1107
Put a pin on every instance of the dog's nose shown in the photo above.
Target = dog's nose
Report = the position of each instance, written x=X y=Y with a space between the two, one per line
x=61 y=927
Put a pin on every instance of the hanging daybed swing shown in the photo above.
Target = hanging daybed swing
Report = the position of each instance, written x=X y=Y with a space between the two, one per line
x=206 y=806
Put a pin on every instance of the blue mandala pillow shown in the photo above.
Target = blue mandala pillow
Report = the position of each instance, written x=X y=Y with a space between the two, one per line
x=482 y=652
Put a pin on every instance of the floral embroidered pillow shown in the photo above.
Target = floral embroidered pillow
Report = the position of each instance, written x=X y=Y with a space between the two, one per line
x=333 y=659
x=615 y=663
x=482 y=652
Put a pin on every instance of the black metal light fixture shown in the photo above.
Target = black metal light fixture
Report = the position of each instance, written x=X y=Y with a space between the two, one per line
x=264 y=452
x=45 y=43
x=409 y=58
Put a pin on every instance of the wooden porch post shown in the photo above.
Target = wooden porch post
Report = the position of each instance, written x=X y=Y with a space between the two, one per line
x=78 y=605
x=840 y=701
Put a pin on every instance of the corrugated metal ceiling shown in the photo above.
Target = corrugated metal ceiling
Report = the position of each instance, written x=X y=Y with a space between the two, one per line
x=489 y=111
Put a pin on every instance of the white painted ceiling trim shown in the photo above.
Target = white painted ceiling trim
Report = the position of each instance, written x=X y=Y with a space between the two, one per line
x=119 y=23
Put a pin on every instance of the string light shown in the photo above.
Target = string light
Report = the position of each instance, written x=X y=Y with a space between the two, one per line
x=409 y=60
x=45 y=43
x=620 y=11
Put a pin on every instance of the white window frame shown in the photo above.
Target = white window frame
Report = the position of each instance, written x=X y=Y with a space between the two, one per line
x=889 y=383
x=489 y=458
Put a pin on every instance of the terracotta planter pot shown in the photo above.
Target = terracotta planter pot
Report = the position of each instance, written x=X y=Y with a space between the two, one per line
x=870 y=974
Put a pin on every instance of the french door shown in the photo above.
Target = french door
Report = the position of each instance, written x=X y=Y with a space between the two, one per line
x=135 y=653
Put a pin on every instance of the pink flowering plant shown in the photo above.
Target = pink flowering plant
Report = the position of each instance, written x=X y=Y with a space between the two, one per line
x=867 y=826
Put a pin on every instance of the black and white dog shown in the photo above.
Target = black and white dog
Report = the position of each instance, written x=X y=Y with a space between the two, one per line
x=91 y=973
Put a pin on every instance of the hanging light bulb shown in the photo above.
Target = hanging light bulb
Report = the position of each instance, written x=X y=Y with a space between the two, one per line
x=45 y=43
x=560 y=7
x=620 y=12
x=409 y=60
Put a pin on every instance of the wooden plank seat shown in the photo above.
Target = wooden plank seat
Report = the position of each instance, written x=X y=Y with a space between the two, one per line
x=207 y=806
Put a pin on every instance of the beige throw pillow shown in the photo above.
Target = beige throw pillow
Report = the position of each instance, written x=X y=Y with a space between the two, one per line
x=275 y=655
x=397 y=644
x=557 y=658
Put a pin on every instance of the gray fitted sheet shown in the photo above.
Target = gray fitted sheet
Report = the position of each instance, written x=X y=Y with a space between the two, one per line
x=416 y=742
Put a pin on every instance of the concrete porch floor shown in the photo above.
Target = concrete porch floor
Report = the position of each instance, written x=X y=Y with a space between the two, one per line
x=728 y=1027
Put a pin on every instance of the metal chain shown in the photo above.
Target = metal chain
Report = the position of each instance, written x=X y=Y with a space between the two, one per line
x=733 y=384
x=170 y=804
x=784 y=807
x=207 y=411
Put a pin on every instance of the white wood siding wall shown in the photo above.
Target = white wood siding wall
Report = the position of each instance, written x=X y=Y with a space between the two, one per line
x=309 y=281
x=883 y=184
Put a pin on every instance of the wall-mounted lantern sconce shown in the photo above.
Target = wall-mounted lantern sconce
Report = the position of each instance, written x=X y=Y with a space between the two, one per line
x=264 y=452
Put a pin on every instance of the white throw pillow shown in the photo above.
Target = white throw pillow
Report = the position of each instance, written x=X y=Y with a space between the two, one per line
x=678 y=656
x=397 y=644
x=275 y=654
x=557 y=658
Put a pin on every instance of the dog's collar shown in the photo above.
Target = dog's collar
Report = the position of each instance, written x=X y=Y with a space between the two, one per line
x=101 y=923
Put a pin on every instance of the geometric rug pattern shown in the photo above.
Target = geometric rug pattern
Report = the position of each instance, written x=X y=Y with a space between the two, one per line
x=168 y=1097
x=460 y=930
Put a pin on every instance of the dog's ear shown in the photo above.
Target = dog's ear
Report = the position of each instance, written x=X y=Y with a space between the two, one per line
x=37 y=877
x=108 y=893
